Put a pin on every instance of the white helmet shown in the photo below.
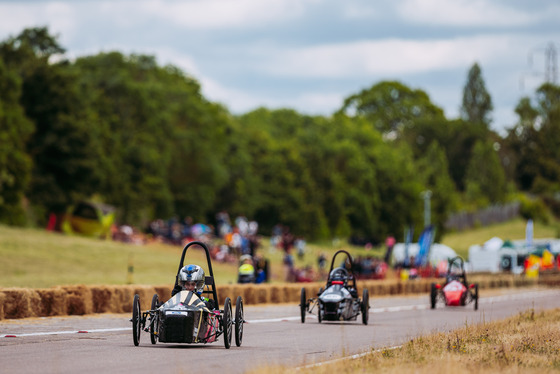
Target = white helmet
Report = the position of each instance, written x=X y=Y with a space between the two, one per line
x=192 y=273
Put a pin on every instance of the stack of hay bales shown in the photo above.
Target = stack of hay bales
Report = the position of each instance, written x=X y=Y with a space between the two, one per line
x=81 y=299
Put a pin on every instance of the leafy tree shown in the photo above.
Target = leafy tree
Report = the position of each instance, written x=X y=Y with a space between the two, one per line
x=477 y=103
x=457 y=138
x=391 y=106
x=485 y=179
x=32 y=47
x=433 y=168
x=62 y=146
x=533 y=142
x=283 y=188
x=15 y=164
x=133 y=108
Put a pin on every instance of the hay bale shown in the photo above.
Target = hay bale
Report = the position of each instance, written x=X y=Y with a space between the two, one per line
x=248 y=295
x=79 y=300
x=53 y=302
x=146 y=293
x=2 y=301
x=21 y=303
x=164 y=292
x=291 y=294
x=223 y=291
x=233 y=291
x=262 y=294
x=276 y=295
x=121 y=299
x=103 y=298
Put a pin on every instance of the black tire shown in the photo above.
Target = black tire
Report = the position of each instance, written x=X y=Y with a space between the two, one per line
x=319 y=315
x=226 y=323
x=433 y=296
x=365 y=306
x=154 y=319
x=239 y=321
x=476 y=296
x=303 y=305
x=136 y=316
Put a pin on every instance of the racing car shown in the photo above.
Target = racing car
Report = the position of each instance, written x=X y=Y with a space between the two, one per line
x=187 y=317
x=339 y=301
x=455 y=291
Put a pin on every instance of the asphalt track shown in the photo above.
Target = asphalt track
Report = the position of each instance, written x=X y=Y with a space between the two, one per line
x=273 y=335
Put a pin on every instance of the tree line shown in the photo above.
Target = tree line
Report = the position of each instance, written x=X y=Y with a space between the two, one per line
x=125 y=131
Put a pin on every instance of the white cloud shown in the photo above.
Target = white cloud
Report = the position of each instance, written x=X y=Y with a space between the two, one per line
x=353 y=11
x=223 y=14
x=236 y=100
x=463 y=13
x=383 y=57
x=14 y=17
x=61 y=18
x=241 y=101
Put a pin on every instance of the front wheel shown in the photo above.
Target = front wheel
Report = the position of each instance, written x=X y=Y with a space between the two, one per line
x=226 y=323
x=365 y=306
x=302 y=304
x=433 y=296
x=238 y=321
x=153 y=319
x=136 y=323
x=476 y=297
x=319 y=311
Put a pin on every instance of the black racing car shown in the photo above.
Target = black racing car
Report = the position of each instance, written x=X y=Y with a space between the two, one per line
x=339 y=301
x=187 y=318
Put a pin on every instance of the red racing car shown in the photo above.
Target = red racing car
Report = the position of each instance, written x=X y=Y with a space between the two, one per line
x=455 y=291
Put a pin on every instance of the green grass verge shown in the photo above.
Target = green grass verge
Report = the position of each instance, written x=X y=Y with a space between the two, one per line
x=36 y=258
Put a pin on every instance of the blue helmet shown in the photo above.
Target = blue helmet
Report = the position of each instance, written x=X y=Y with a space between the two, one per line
x=192 y=275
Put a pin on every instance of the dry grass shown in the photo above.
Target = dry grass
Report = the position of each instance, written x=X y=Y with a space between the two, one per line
x=526 y=343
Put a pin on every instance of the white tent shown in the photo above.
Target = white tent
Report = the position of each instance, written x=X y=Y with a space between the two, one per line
x=438 y=252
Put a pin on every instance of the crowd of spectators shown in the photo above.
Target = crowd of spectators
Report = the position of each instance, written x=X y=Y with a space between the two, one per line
x=238 y=242
x=370 y=267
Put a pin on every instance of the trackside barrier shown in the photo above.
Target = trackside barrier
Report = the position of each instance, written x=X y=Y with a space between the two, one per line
x=82 y=300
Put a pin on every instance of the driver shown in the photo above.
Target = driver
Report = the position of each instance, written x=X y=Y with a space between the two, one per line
x=339 y=275
x=191 y=278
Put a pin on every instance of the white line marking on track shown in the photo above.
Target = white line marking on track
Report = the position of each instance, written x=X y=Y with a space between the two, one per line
x=486 y=300
x=352 y=357
x=64 y=332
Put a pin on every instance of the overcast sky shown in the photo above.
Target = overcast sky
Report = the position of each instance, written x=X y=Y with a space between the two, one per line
x=311 y=54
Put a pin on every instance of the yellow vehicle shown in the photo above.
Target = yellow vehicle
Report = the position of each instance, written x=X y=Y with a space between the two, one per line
x=89 y=218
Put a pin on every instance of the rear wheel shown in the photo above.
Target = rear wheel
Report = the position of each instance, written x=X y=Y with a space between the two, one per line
x=302 y=304
x=153 y=319
x=226 y=323
x=238 y=321
x=433 y=296
x=136 y=325
x=365 y=306
x=476 y=297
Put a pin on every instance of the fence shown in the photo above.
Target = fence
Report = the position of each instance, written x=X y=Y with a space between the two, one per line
x=494 y=214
